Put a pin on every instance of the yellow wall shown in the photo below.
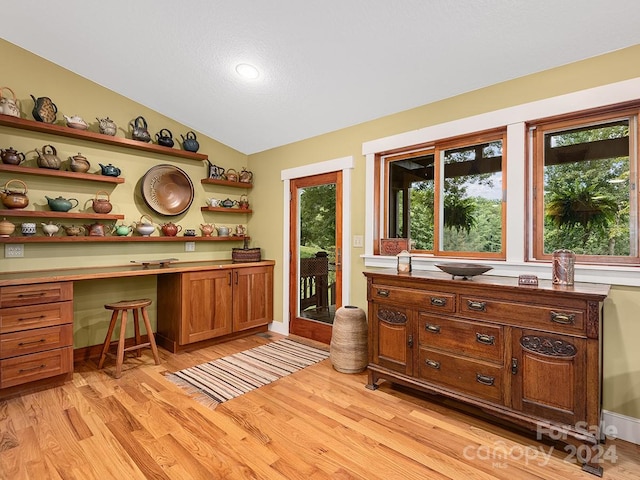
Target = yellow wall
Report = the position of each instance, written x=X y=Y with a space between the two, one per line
x=74 y=95
x=621 y=329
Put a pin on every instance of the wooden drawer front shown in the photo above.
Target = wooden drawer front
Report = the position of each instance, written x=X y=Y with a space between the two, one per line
x=35 y=294
x=32 y=341
x=466 y=375
x=555 y=319
x=29 y=368
x=474 y=339
x=25 y=318
x=422 y=299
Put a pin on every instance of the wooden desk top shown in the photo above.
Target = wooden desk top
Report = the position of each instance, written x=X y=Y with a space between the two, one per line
x=118 y=271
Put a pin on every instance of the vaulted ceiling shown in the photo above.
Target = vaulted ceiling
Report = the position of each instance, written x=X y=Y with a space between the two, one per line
x=324 y=65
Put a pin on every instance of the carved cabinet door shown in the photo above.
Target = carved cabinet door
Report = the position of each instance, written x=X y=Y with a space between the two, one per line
x=548 y=375
x=392 y=337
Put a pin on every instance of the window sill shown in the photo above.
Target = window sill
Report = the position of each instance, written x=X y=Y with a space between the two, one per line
x=607 y=274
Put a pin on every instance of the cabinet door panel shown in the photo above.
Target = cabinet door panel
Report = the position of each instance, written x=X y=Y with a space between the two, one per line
x=549 y=375
x=252 y=297
x=207 y=298
x=392 y=338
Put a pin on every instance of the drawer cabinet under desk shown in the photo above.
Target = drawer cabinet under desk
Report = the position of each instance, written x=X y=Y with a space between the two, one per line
x=36 y=334
x=529 y=355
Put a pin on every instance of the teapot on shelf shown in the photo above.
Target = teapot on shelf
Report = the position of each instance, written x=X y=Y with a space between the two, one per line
x=79 y=163
x=48 y=158
x=140 y=132
x=122 y=230
x=170 y=229
x=9 y=106
x=228 y=203
x=6 y=228
x=109 y=170
x=207 y=229
x=73 y=230
x=13 y=199
x=189 y=142
x=44 y=110
x=95 y=230
x=61 y=204
x=215 y=171
x=245 y=176
x=232 y=175
x=106 y=126
x=243 y=203
x=50 y=229
x=144 y=228
x=11 y=157
x=165 y=138
x=76 y=122
x=101 y=205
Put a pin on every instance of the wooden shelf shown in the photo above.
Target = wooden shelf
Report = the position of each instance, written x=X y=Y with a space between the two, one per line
x=227 y=183
x=64 y=131
x=72 y=239
x=70 y=215
x=93 y=177
x=226 y=210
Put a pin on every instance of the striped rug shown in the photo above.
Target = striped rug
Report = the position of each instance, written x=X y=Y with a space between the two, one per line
x=228 y=377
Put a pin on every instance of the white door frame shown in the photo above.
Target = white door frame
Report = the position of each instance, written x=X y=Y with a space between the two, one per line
x=345 y=164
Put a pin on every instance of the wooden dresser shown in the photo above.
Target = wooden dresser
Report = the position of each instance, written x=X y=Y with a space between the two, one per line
x=528 y=354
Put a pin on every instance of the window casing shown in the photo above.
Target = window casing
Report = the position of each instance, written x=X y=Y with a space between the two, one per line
x=447 y=198
x=584 y=186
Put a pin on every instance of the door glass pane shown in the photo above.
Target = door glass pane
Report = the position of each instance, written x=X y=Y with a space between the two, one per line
x=316 y=252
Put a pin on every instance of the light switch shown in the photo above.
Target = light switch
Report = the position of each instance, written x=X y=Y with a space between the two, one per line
x=358 y=241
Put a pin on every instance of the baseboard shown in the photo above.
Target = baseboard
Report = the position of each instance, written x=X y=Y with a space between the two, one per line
x=625 y=428
x=279 y=327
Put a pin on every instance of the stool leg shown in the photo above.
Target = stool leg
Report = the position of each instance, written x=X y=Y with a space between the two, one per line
x=107 y=340
x=120 y=357
x=152 y=339
x=136 y=327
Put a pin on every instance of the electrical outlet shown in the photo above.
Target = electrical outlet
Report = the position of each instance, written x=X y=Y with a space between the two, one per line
x=358 y=241
x=190 y=246
x=13 y=250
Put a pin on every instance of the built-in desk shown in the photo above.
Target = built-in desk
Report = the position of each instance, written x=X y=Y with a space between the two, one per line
x=198 y=303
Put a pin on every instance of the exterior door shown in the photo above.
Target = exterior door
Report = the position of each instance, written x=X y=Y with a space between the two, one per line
x=315 y=268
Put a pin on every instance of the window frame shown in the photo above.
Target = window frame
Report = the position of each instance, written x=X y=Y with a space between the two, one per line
x=537 y=130
x=437 y=148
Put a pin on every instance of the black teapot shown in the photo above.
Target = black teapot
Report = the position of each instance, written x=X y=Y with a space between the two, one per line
x=165 y=138
x=190 y=143
x=140 y=131
x=44 y=110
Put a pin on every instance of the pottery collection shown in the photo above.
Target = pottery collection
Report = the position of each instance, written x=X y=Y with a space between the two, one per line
x=6 y=228
x=106 y=126
x=12 y=198
x=207 y=229
x=170 y=229
x=101 y=205
x=44 y=110
x=189 y=143
x=109 y=170
x=48 y=158
x=50 y=229
x=164 y=138
x=61 y=204
x=76 y=122
x=140 y=132
x=9 y=106
x=79 y=163
x=145 y=226
x=11 y=157
x=28 y=229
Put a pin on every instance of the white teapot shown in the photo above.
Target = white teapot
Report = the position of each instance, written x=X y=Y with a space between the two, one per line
x=50 y=228
x=76 y=122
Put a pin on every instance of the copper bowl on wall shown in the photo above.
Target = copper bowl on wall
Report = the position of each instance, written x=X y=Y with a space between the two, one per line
x=167 y=190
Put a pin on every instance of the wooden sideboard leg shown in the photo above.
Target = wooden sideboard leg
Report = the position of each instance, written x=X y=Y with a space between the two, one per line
x=373 y=379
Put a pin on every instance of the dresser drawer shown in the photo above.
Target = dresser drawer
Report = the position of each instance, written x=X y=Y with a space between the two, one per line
x=474 y=339
x=36 y=316
x=34 y=294
x=422 y=299
x=466 y=375
x=558 y=319
x=38 y=340
x=36 y=366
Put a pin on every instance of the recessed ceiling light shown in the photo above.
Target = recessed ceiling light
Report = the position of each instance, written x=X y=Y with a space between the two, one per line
x=247 y=71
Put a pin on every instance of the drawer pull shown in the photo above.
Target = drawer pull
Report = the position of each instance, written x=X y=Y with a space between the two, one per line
x=432 y=364
x=438 y=301
x=432 y=328
x=563 y=318
x=34 y=294
x=410 y=341
x=514 y=366
x=485 y=379
x=477 y=306
x=485 y=339
x=22 y=344
x=383 y=293
x=22 y=370
x=24 y=319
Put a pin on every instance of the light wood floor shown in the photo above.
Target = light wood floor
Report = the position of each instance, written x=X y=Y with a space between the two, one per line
x=314 y=424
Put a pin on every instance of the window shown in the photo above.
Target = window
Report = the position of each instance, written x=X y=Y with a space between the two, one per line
x=585 y=197
x=447 y=198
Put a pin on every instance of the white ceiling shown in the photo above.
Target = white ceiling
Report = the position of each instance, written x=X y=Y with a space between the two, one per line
x=326 y=64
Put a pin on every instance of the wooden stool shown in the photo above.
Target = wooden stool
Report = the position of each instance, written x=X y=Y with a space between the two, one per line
x=124 y=306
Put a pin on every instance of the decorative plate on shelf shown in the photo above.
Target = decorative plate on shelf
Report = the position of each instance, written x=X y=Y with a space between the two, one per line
x=167 y=190
x=464 y=270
